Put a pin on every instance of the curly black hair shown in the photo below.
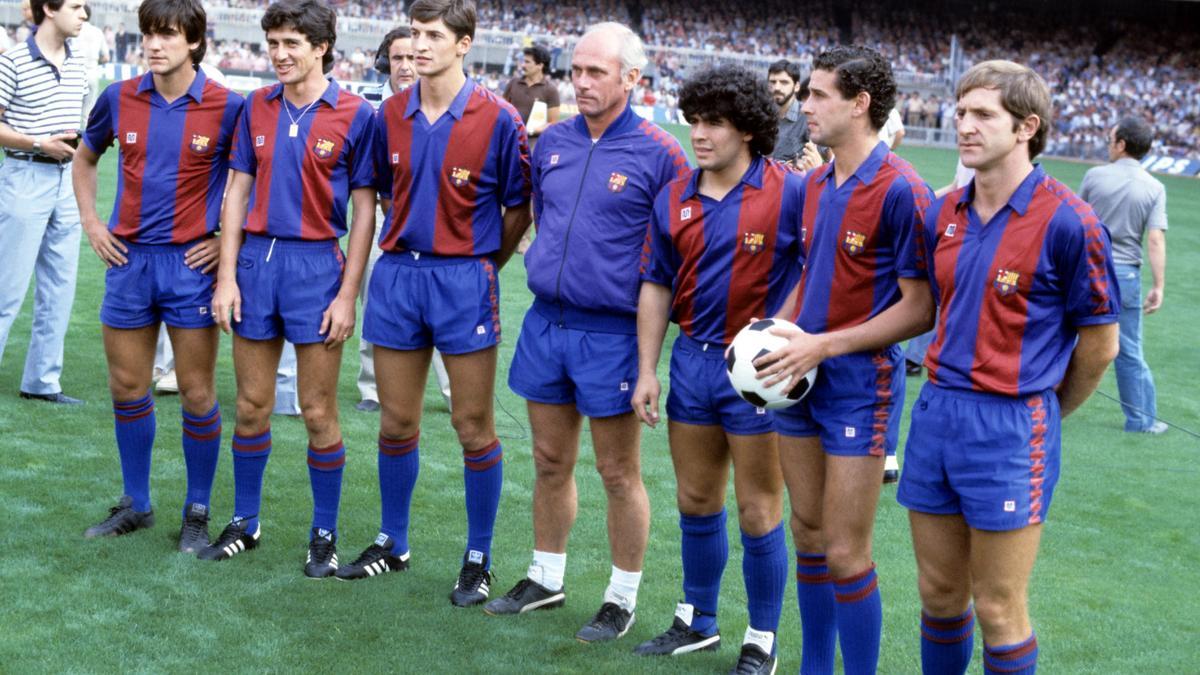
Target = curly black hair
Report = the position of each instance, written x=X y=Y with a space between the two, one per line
x=736 y=95
x=860 y=69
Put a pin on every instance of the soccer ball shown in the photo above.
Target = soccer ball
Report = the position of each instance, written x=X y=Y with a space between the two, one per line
x=750 y=343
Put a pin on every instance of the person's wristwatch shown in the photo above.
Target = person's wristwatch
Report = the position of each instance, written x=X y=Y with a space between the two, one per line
x=37 y=145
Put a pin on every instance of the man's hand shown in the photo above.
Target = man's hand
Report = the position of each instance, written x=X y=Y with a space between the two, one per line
x=109 y=249
x=57 y=147
x=337 y=323
x=809 y=158
x=227 y=299
x=802 y=353
x=645 y=399
x=1154 y=300
x=204 y=256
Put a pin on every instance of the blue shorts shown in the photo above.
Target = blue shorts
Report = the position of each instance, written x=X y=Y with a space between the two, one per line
x=557 y=365
x=994 y=459
x=414 y=302
x=286 y=286
x=854 y=406
x=156 y=286
x=701 y=394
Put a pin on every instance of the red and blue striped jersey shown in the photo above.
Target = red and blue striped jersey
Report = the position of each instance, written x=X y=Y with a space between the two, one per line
x=302 y=183
x=448 y=180
x=729 y=260
x=173 y=158
x=858 y=239
x=1012 y=291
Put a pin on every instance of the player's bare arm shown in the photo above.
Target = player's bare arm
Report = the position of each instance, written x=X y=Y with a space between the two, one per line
x=516 y=222
x=83 y=174
x=912 y=315
x=337 y=323
x=654 y=308
x=227 y=298
x=1096 y=348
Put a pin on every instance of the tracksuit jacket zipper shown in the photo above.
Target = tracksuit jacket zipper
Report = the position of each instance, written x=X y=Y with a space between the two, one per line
x=571 y=224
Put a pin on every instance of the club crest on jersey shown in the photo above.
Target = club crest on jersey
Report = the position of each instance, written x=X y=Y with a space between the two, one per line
x=617 y=182
x=753 y=242
x=950 y=229
x=460 y=177
x=199 y=143
x=323 y=148
x=130 y=137
x=1006 y=281
x=260 y=141
x=854 y=243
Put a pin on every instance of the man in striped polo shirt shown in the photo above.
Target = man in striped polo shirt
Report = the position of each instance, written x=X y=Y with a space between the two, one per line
x=42 y=86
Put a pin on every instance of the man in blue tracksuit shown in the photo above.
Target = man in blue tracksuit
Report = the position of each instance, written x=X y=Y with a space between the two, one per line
x=595 y=178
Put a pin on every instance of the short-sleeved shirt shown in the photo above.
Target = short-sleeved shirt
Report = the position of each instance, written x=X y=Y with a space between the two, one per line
x=302 y=183
x=793 y=134
x=1129 y=201
x=730 y=260
x=38 y=98
x=1013 y=291
x=522 y=96
x=449 y=179
x=859 y=239
x=174 y=157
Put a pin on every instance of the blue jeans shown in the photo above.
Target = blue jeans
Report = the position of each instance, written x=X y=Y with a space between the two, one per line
x=39 y=239
x=1134 y=381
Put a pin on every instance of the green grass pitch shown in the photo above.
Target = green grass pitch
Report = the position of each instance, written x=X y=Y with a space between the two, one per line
x=1115 y=590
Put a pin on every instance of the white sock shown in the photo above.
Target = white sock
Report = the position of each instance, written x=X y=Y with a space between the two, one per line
x=623 y=588
x=548 y=569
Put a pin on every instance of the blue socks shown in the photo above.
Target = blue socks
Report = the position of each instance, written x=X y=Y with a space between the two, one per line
x=134 y=423
x=946 y=643
x=764 y=570
x=705 y=550
x=859 y=621
x=483 y=477
x=818 y=614
x=1018 y=659
x=201 y=450
x=250 y=454
x=399 y=464
x=325 y=466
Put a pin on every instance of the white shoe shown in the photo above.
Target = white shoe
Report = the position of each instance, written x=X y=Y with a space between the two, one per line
x=167 y=384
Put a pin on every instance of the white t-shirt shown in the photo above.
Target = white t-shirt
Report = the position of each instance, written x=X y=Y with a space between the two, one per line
x=893 y=126
x=92 y=44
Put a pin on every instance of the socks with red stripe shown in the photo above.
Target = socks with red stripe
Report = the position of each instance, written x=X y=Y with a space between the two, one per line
x=705 y=550
x=818 y=614
x=947 y=643
x=764 y=570
x=325 y=467
x=859 y=620
x=483 y=478
x=201 y=451
x=1018 y=659
x=399 y=464
x=250 y=454
x=134 y=424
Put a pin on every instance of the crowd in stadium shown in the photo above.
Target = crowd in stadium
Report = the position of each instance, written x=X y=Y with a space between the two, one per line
x=1142 y=70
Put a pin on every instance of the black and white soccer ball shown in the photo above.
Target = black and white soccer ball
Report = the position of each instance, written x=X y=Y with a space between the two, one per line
x=754 y=341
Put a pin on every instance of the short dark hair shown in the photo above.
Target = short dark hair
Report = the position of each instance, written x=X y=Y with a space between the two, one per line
x=186 y=16
x=458 y=15
x=802 y=89
x=539 y=54
x=383 y=55
x=785 y=66
x=313 y=19
x=39 y=8
x=737 y=95
x=860 y=69
x=1137 y=134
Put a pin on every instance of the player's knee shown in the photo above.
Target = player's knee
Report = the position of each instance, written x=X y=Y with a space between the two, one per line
x=998 y=613
x=474 y=429
x=552 y=465
x=943 y=595
x=253 y=413
x=319 y=416
x=397 y=424
x=197 y=399
x=806 y=532
x=847 y=557
x=619 y=476
x=759 y=516
x=125 y=386
x=699 y=500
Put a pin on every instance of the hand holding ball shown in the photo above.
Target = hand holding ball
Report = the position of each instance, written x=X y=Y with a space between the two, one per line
x=752 y=342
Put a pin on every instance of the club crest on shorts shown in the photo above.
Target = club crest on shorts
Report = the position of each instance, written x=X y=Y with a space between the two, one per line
x=199 y=144
x=854 y=243
x=1006 y=282
x=753 y=242
x=460 y=177
x=554 y=159
x=323 y=148
x=617 y=182
x=130 y=137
